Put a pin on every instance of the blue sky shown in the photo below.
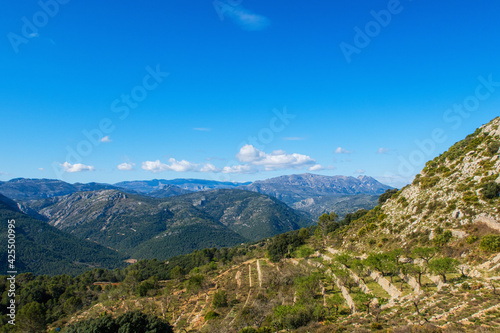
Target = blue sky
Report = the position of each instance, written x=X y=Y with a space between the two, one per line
x=241 y=90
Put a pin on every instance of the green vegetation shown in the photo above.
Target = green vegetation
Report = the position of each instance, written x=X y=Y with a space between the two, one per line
x=47 y=250
x=131 y=322
x=386 y=196
x=491 y=190
x=493 y=148
x=441 y=266
x=283 y=245
x=220 y=299
x=211 y=315
x=490 y=243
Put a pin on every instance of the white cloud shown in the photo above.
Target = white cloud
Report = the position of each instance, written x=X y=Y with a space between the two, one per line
x=154 y=166
x=178 y=166
x=181 y=166
x=319 y=167
x=209 y=167
x=316 y=167
x=40 y=169
x=126 y=166
x=242 y=168
x=293 y=138
x=277 y=159
x=341 y=150
x=382 y=150
x=202 y=129
x=249 y=153
x=78 y=167
x=246 y=19
x=106 y=139
x=359 y=171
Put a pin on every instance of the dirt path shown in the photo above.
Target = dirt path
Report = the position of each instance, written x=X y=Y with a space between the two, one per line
x=250 y=275
x=259 y=273
x=238 y=278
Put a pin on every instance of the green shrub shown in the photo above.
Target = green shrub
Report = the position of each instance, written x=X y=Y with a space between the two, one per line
x=220 y=299
x=443 y=239
x=493 y=147
x=386 y=196
x=428 y=182
x=211 y=315
x=129 y=322
x=471 y=239
x=490 y=243
x=491 y=190
x=303 y=251
x=403 y=201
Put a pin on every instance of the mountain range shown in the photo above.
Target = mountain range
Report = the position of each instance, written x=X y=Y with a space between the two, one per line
x=164 y=218
x=313 y=194
x=145 y=227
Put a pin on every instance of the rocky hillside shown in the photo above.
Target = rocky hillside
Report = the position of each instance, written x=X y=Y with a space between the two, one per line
x=252 y=215
x=145 y=227
x=293 y=188
x=125 y=222
x=340 y=204
x=168 y=191
x=455 y=191
x=317 y=194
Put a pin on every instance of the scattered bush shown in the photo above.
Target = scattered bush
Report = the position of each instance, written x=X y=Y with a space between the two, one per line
x=491 y=190
x=220 y=299
x=211 y=315
x=442 y=239
x=490 y=243
x=386 y=196
x=428 y=182
x=493 y=148
x=129 y=322
x=471 y=239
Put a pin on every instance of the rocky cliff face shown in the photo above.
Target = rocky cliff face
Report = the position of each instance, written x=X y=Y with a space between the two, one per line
x=294 y=188
x=455 y=189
